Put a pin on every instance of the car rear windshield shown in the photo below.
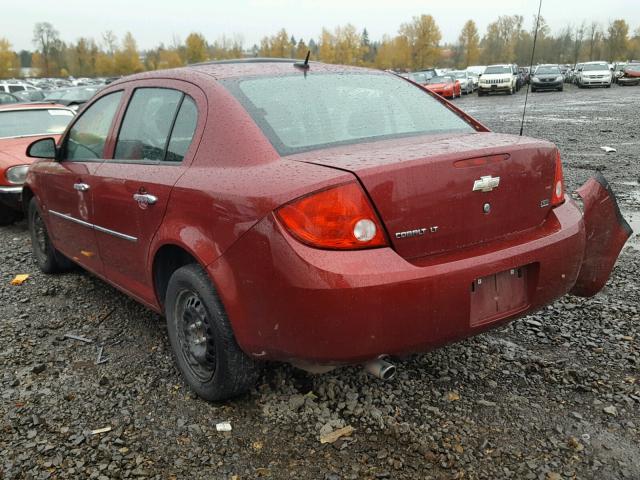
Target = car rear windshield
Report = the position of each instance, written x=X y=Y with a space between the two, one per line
x=299 y=113
x=20 y=123
x=497 y=69
x=594 y=66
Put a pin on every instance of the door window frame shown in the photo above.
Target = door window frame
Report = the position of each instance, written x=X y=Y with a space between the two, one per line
x=186 y=89
x=107 y=144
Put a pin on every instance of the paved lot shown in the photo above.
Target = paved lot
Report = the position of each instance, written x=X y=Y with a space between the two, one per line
x=554 y=395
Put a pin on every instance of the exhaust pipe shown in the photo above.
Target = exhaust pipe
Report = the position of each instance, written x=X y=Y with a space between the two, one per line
x=381 y=369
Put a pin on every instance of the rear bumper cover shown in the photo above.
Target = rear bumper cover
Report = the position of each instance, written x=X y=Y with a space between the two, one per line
x=606 y=233
x=289 y=302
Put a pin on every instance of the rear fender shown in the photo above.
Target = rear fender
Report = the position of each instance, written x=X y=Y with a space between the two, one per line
x=606 y=233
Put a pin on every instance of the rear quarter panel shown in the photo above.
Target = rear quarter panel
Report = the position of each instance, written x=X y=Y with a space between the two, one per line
x=235 y=180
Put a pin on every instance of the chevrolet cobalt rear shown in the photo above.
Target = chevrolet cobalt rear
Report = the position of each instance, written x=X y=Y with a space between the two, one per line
x=315 y=214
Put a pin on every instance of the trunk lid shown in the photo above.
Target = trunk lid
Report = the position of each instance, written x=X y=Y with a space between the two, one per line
x=423 y=187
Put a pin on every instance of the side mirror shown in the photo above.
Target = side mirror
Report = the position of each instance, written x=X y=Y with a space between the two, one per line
x=43 y=148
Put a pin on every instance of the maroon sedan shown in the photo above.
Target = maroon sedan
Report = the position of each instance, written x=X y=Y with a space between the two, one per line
x=315 y=214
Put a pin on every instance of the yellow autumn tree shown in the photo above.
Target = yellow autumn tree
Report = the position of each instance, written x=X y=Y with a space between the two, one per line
x=423 y=36
x=327 y=48
x=347 y=46
x=393 y=53
x=277 y=46
x=127 y=59
x=469 y=44
x=8 y=59
x=196 y=48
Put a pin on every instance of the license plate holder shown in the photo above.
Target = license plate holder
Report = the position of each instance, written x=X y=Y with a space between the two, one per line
x=498 y=295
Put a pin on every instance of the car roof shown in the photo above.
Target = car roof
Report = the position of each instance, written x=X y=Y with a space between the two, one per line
x=253 y=67
x=33 y=106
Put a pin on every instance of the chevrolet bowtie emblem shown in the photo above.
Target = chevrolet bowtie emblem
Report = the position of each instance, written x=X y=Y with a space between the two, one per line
x=486 y=184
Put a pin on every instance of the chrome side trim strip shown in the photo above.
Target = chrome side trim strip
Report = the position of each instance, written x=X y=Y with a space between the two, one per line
x=72 y=219
x=123 y=236
x=94 y=227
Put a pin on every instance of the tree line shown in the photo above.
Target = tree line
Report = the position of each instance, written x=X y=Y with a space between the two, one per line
x=417 y=44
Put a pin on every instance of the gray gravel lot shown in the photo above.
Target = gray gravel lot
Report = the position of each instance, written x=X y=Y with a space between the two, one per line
x=555 y=395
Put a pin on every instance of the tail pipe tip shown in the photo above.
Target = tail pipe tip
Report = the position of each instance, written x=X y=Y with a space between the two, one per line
x=381 y=369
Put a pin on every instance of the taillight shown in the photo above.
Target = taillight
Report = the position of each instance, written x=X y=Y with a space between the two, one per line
x=557 y=197
x=337 y=218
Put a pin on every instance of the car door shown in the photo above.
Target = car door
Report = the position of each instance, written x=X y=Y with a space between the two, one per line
x=133 y=188
x=69 y=182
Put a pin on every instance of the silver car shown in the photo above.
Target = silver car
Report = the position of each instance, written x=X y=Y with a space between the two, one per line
x=466 y=80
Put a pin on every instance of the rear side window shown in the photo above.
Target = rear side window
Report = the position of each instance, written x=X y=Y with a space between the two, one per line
x=147 y=124
x=299 y=113
x=183 y=130
x=88 y=135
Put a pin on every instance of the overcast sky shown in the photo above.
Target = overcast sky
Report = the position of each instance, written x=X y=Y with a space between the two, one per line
x=152 y=22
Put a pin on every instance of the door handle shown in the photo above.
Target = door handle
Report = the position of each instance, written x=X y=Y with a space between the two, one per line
x=81 y=187
x=145 y=198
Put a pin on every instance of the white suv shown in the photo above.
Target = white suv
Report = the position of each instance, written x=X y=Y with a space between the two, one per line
x=498 y=78
x=594 y=73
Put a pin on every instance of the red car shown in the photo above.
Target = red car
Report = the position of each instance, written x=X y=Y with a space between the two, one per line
x=19 y=125
x=630 y=75
x=309 y=213
x=445 y=86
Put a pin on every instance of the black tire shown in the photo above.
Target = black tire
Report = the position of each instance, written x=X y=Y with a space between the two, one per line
x=46 y=257
x=533 y=90
x=204 y=346
x=480 y=93
x=8 y=215
x=560 y=89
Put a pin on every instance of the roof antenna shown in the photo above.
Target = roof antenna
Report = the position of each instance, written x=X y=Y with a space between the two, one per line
x=304 y=65
x=533 y=50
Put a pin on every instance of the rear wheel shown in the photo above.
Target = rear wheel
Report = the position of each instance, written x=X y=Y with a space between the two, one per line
x=48 y=259
x=204 y=346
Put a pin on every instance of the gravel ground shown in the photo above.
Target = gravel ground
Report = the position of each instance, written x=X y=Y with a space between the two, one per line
x=555 y=395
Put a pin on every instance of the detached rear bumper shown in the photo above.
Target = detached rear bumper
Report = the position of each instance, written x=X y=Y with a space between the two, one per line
x=290 y=302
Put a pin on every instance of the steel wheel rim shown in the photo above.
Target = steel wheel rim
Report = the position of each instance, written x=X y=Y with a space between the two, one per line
x=40 y=235
x=195 y=338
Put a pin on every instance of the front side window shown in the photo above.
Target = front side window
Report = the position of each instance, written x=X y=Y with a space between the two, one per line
x=298 y=113
x=147 y=124
x=88 y=135
x=16 y=88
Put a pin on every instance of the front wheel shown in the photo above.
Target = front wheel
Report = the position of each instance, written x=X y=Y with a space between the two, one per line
x=47 y=258
x=203 y=342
